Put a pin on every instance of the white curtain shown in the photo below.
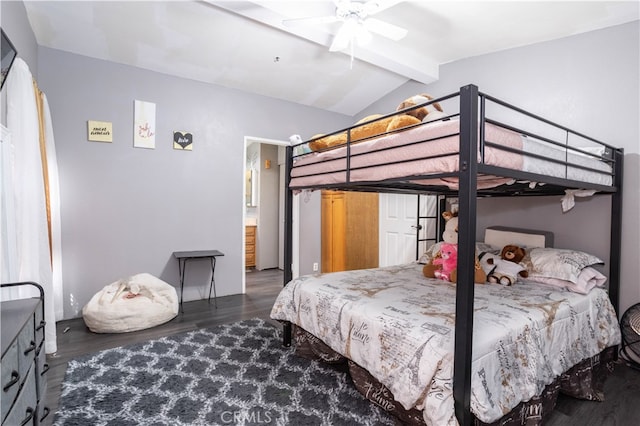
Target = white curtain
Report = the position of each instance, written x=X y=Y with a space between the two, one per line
x=28 y=254
x=54 y=213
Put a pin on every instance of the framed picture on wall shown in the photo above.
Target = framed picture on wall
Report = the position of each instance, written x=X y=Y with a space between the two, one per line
x=99 y=131
x=183 y=141
x=144 y=125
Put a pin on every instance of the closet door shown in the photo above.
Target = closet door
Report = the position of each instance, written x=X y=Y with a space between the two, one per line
x=362 y=230
x=333 y=224
x=349 y=230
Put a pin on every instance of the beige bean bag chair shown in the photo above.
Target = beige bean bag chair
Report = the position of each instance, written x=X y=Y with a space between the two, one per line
x=135 y=303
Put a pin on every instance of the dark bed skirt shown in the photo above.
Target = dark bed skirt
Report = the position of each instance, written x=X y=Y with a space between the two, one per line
x=584 y=381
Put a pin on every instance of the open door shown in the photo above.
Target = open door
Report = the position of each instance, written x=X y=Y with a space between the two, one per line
x=253 y=217
x=408 y=224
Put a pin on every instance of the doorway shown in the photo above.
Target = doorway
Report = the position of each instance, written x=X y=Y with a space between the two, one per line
x=263 y=208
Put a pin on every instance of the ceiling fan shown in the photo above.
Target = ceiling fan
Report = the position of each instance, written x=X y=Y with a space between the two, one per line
x=358 y=23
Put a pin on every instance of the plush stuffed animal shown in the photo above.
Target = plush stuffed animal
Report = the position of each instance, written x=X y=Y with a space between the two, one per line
x=506 y=268
x=450 y=235
x=448 y=261
x=374 y=125
x=368 y=127
x=424 y=113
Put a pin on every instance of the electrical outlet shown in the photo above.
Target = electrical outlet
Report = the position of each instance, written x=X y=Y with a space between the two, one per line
x=315 y=267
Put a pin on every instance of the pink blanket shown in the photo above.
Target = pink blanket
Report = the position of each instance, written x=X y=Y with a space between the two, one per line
x=426 y=149
x=588 y=279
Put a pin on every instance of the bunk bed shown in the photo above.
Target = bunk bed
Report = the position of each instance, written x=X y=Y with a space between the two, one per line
x=484 y=148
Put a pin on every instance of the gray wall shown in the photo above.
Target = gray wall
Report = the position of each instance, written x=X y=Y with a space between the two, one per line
x=587 y=82
x=16 y=26
x=125 y=209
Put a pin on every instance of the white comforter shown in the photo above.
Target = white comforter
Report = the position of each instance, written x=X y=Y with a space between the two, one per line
x=399 y=326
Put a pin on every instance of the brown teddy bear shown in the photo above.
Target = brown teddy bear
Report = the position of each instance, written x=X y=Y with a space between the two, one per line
x=506 y=269
x=424 y=113
x=370 y=126
x=375 y=124
x=450 y=235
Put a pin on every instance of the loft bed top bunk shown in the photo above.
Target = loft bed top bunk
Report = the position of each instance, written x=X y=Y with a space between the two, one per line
x=518 y=153
x=481 y=146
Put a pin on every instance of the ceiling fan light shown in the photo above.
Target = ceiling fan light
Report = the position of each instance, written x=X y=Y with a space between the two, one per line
x=363 y=36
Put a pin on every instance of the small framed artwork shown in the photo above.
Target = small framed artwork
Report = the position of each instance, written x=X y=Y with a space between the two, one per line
x=183 y=141
x=99 y=131
x=144 y=125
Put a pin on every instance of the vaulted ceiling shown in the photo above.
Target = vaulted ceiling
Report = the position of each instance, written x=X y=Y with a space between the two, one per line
x=263 y=47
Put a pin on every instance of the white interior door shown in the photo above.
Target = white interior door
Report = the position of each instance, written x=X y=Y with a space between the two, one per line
x=398 y=227
x=398 y=219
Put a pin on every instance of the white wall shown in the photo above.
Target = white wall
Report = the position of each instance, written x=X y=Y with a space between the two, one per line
x=589 y=83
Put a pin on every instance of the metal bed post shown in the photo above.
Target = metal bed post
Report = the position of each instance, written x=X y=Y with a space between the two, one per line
x=437 y=218
x=442 y=207
x=466 y=253
x=615 y=249
x=288 y=237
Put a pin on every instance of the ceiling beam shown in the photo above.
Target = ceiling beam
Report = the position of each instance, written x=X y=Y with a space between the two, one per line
x=403 y=63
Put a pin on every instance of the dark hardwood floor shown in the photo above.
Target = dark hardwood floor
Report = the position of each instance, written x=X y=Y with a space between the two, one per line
x=75 y=339
x=621 y=406
x=622 y=389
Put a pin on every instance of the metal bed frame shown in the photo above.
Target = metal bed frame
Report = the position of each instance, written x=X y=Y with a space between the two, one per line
x=472 y=118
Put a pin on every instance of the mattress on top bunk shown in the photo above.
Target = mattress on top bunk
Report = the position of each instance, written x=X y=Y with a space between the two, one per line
x=400 y=326
x=432 y=148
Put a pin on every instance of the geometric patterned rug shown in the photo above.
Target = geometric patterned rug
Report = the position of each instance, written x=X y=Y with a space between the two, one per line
x=233 y=374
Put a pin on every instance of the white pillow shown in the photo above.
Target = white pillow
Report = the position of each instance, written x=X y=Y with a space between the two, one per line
x=562 y=264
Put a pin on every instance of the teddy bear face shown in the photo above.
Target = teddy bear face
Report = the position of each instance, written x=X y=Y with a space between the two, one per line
x=512 y=253
x=448 y=251
x=421 y=112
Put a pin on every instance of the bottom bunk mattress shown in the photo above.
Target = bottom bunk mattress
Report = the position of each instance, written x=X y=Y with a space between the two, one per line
x=399 y=326
x=584 y=380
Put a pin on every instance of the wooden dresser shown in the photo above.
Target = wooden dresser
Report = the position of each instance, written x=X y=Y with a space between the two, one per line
x=250 y=246
x=349 y=225
x=24 y=365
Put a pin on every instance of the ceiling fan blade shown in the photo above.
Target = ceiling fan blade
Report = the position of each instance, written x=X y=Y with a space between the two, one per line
x=311 y=20
x=342 y=39
x=385 y=29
